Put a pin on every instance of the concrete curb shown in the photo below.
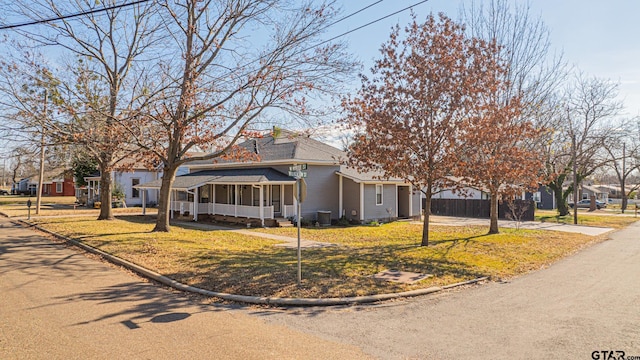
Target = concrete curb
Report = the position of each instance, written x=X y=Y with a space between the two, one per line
x=245 y=298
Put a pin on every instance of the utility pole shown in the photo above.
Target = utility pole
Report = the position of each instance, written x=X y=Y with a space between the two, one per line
x=40 y=179
x=624 y=177
x=575 y=179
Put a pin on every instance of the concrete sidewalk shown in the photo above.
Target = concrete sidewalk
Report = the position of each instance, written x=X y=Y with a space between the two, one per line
x=288 y=242
x=529 y=225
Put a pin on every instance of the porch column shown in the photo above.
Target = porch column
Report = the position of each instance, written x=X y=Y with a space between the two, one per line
x=235 y=196
x=213 y=199
x=144 y=201
x=262 y=204
x=410 y=201
x=196 y=204
x=397 y=200
x=361 y=201
x=281 y=202
x=340 y=195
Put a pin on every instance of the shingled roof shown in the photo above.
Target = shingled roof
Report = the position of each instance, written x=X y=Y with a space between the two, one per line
x=222 y=176
x=288 y=146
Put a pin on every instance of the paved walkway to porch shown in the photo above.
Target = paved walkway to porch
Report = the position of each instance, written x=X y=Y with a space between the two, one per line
x=288 y=242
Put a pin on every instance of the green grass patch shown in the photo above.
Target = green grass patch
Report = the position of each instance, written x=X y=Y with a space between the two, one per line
x=601 y=218
x=231 y=262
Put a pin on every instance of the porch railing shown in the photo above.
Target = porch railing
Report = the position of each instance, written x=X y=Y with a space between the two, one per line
x=182 y=206
x=288 y=210
x=224 y=209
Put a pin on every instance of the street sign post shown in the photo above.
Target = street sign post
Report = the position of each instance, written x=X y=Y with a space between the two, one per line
x=299 y=172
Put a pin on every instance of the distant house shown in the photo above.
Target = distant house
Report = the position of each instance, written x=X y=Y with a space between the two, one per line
x=544 y=198
x=56 y=183
x=24 y=187
x=586 y=191
x=63 y=186
x=127 y=182
x=262 y=192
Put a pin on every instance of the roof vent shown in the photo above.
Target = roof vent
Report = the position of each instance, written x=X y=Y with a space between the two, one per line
x=255 y=146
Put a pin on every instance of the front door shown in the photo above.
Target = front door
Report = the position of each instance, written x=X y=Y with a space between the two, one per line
x=275 y=199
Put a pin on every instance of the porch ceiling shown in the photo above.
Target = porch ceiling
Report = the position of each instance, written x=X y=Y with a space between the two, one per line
x=223 y=176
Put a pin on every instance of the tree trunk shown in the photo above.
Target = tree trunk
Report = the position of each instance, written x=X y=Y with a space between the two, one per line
x=493 y=213
x=106 y=212
x=164 y=201
x=425 y=225
x=559 y=195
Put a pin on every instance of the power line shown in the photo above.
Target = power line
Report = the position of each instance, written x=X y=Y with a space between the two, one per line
x=367 y=24
x=352 y=14
x=344 y=33
x=64 y=17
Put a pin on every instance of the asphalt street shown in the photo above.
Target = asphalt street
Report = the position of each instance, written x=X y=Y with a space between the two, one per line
x=57 y=303
x=587 y=302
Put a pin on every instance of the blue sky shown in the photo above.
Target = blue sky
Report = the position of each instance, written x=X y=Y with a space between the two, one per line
x=601 y=38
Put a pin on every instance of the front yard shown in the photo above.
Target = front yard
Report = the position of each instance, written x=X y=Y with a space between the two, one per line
x=236 y=263
x=16 y=206
x=603 y=218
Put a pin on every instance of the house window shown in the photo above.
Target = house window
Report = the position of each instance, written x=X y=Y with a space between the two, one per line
x=537 y=197
x=58 y=188
x=135 y=193
x=378 y=194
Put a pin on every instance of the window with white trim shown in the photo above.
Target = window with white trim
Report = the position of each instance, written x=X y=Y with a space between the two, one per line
x=378 y=194
x=135 y=193
x=58 y=187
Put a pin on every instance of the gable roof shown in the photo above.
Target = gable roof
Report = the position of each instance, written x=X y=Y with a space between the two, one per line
x=223 y=176
x=287 y=147
x=366 y=177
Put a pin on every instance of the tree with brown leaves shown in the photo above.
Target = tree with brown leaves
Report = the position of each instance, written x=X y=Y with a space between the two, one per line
x=497 y=156
x=409 y=116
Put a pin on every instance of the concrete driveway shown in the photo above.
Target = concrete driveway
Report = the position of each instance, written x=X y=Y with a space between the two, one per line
x=531 y=225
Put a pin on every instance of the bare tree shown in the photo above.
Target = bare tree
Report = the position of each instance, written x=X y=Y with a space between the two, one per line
x=534 y=71
x=230 y=62
x=587 y=116
x=107 y=44
x=623 y=148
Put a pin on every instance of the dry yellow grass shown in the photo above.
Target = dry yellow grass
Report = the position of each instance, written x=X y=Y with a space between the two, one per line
x=16 y=206
x=602 y=218
x=231 y=262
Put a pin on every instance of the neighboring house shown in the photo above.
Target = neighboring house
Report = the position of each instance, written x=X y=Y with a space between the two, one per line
x=61 y=185
x=613 y=191
x=544 y=198
x=126 y=181
x=64 y=186
x=24 y=187
x=262 y=192
x=468 y=193
x=586 y=191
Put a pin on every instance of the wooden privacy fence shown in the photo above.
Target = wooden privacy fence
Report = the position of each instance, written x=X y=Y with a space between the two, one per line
x=522 y=210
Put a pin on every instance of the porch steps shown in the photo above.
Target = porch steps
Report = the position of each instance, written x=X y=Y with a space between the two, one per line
x=282 y=222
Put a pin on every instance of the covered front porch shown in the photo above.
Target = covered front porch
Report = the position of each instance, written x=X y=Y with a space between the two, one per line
x=255 y=194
